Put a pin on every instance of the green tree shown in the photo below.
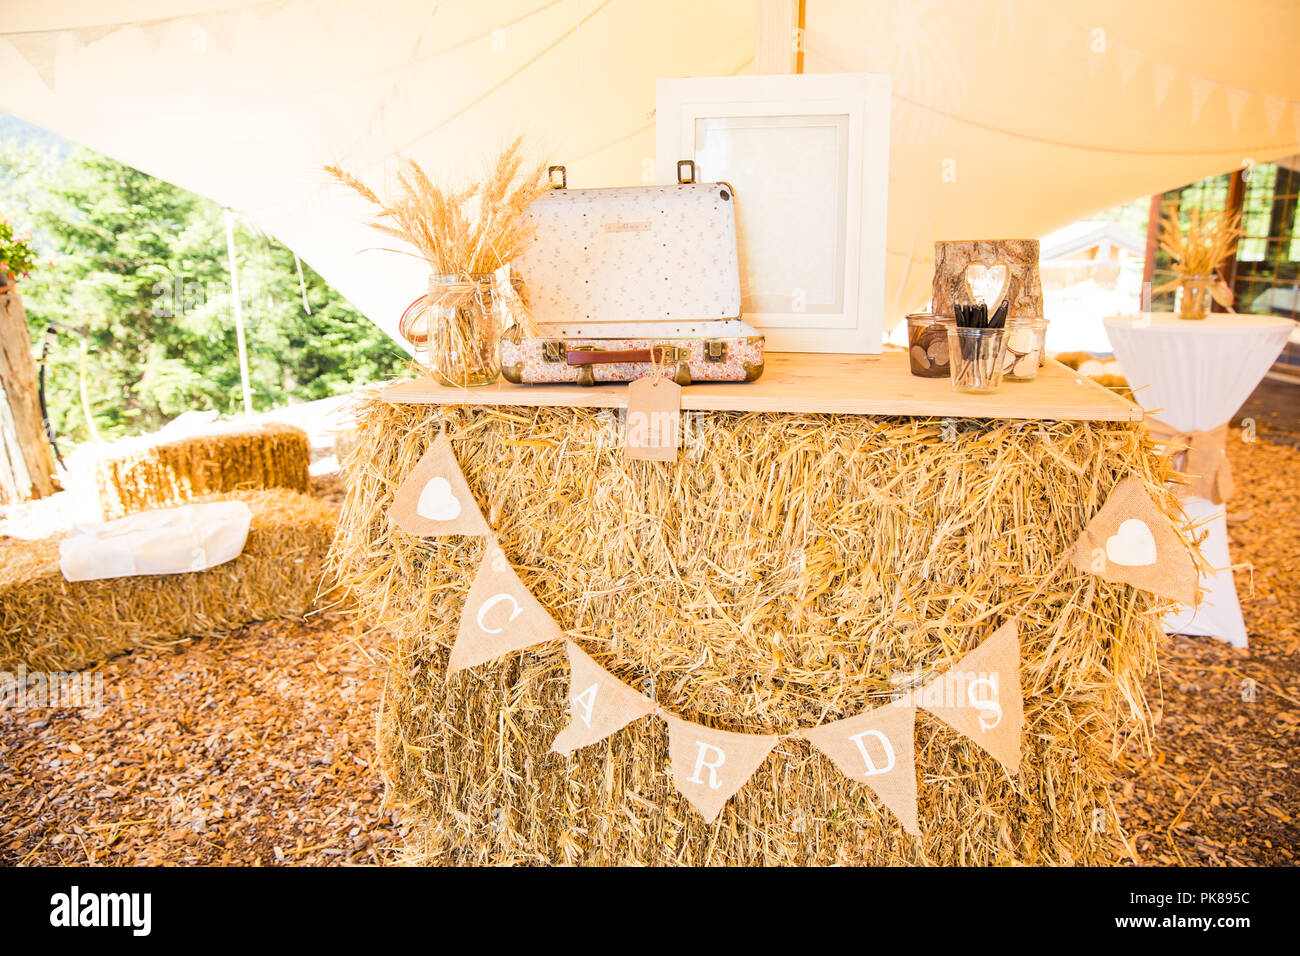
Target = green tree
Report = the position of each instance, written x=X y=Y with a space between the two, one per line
x=140 y=266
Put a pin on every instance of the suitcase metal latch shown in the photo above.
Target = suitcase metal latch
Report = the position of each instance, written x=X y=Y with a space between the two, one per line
x=553 y=351
x=715 y=351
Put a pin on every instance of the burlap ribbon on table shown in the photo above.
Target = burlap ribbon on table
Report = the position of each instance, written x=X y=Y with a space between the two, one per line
x=1204 y=458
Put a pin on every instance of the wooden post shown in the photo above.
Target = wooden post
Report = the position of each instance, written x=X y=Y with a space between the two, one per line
x=26 y=462
x=1153 y=243
x=1236 y=202
x=778 y=43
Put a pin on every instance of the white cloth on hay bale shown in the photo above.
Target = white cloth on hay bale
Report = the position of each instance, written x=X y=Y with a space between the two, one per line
x=167 y=541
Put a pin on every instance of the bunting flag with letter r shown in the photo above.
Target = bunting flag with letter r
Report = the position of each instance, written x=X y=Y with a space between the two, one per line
x=599 y=703
x=979 y=696
x=709 y=766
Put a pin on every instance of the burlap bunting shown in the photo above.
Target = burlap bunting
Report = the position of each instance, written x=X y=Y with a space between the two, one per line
x=709 y=766
x=1200 y=454
x=434 y=499
x=1132 y=541
x=876 y=748
x=500 y=615
x=599 y=703
x=979 y=696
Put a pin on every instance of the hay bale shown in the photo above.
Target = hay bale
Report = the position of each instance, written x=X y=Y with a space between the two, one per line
x=51 y=624
x=157 y=471
x=1116 y=383
x=777 y=580
x=1074 y=359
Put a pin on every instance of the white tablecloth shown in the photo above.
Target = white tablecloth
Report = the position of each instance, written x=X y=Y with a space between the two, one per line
x=1195 y=375
x=168 y=541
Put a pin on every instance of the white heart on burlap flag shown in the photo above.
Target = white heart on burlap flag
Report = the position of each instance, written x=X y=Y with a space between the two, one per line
x=500 y=616
x=1132 y=541
x=709 y=766
x=979 y=696
x=435 y=499
x=599 y=703
x=876 y=748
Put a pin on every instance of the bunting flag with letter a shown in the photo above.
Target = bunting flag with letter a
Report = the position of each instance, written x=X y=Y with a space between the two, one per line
x=1130 y=540
x=876 y=748
x=709 y=766
x=500 y=615
x=599 y=703
x=434 y=499
x=979 y=696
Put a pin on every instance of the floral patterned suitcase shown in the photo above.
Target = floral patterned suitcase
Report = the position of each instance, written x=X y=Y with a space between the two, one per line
x=628 y=282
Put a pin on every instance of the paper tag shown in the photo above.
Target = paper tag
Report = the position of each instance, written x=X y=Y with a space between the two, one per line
x=654 y=419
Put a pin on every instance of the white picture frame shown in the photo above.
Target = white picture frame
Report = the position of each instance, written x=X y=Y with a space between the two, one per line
x=808 y=158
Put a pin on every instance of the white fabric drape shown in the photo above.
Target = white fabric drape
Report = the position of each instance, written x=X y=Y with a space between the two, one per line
x=1010 y=118
x=1194 y=374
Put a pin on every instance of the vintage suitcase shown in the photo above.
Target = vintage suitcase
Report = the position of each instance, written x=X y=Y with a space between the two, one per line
x=624 y=282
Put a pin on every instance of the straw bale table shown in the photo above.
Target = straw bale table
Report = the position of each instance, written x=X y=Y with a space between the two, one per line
x=830 y=529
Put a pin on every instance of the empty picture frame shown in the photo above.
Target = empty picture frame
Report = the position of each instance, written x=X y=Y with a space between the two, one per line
x=808 y=158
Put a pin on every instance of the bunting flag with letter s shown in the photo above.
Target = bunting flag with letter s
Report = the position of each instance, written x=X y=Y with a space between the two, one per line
x=979 y=696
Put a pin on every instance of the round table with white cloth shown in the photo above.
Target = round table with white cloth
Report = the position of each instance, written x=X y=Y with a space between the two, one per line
x=1193 y=375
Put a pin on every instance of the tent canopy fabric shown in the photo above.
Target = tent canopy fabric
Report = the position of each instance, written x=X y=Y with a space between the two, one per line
x=1010 y=118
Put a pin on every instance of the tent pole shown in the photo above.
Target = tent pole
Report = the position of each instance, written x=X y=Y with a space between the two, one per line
x=239 y=312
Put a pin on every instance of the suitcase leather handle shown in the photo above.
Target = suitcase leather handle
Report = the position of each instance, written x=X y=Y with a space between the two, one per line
x=658 y=354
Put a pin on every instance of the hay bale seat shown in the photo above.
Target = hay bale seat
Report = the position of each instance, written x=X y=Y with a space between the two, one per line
x=51 y=624
x=777 y=580
x=157 y=471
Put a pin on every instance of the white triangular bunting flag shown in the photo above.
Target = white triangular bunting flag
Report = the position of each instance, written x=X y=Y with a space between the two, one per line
x=1274 y=107
x=500 y=615
x=1132 y=541
x=709 y=766
x=218 y=30
x=1130 y=61
x=979 y=696
x=155 y=31
x=876 y=748
x=1237 y=100
x=434 y=499
x=1162 y=77
x=39 y=50
x=599 y=703
x=1200 y=88
x=85 y=36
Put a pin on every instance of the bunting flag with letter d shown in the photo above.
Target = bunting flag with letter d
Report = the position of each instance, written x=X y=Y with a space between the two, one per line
x=979 y=696
x=599 y=703
x=876 y=748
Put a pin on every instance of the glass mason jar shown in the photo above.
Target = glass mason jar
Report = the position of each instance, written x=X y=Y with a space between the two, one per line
x=927 y=344
x=1024 y=343
x=975 y=358
x=1194 y=299
x=456 y=330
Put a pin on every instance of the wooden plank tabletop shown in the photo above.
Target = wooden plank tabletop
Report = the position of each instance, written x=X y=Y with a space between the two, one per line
x=805 y=382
